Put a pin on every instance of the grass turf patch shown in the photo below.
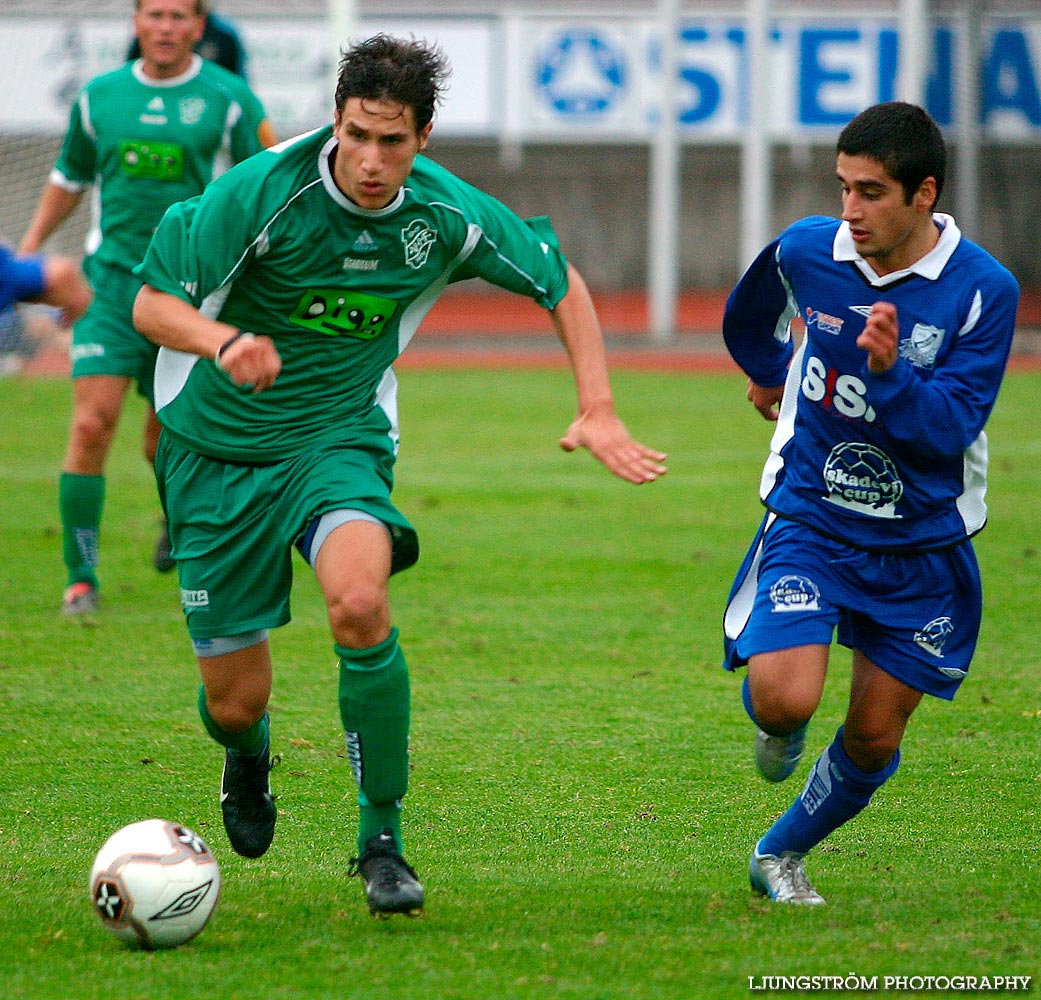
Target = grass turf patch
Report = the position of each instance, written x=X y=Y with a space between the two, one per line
x=583 y=799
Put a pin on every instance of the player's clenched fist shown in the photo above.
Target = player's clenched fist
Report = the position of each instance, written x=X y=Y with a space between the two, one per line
x=250 y=361
x=881 y=337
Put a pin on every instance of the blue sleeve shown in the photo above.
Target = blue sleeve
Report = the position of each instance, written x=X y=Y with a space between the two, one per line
x=757 y=320
x=944 y=414
x=21 y=278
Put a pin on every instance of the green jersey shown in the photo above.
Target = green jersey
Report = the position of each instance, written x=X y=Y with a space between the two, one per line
x=148 y=143
x=275 y=248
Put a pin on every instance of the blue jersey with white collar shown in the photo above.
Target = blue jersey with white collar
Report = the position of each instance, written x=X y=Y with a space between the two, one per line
x=894 y=461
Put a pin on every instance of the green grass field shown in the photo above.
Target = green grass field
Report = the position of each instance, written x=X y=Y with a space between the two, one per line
x=583 y=798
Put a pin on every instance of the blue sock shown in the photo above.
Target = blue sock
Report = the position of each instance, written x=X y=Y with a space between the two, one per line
x=835 y=792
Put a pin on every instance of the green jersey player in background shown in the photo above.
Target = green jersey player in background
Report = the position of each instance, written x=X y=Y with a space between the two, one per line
x=145 y=136
x=281 y=298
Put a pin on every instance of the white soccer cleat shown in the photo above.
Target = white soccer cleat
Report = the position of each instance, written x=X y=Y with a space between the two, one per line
x=776 y=757
x=782 y=878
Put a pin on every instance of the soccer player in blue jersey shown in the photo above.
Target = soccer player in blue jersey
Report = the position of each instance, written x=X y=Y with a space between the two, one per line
x=876 y=477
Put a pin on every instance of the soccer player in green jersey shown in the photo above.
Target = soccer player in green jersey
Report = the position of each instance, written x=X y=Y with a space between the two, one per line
x=281 y=298
x=145 y=136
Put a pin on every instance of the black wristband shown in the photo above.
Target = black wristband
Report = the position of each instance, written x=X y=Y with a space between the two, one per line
x=231 y=340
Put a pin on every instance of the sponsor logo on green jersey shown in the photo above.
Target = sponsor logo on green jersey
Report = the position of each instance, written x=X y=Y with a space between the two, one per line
x=159 y=161
x=336 y=312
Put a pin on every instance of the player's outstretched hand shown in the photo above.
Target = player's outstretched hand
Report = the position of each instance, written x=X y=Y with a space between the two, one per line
x=252 y=362
x=607 y=439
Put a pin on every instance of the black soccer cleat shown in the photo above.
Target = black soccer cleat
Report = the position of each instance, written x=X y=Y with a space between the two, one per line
x=391 y=884
x=247 y=804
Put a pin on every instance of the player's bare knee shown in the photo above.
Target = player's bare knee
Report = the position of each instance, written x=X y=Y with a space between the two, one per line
x=237 y=713
x=870 y=751
x=91 y=430
x=780 y=711
x=360 y=611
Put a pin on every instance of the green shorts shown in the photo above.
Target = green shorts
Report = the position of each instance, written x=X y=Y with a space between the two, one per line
x=104 y=341
x=233 y=528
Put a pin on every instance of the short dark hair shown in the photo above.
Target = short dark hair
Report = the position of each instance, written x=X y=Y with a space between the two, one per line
x=411 y=73
x=201 y=7
x=904 y=139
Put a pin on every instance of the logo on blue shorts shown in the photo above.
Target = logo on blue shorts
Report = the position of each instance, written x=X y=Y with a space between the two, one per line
x=932 y=637
x=795 y=593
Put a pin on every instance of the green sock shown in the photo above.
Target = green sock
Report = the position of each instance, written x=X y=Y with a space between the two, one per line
x=249 y=742
x=373 y=820
x=374 y=709
x=80 y=500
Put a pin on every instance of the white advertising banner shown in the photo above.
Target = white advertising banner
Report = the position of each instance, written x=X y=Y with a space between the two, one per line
x=531 y=78
x=291 y=70
x=43 y=62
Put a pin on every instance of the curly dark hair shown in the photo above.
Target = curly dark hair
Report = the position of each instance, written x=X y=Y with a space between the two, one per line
x=411 y=73
x=904 y=139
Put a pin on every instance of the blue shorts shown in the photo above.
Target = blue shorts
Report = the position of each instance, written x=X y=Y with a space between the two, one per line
x=916 y=616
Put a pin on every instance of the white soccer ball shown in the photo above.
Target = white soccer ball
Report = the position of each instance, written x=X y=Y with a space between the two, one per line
x=154 y=884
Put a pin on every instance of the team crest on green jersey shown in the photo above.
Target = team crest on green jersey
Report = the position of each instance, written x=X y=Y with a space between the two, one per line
x=335 y=312
x=191 y=110
x=158 y=161
x=417 y=238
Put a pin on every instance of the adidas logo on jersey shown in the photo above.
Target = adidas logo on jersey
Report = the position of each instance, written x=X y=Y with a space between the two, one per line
x=155 y=112
x=365 y=243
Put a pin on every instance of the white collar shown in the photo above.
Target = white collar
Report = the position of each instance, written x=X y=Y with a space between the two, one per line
x=930 y=266
x=173 y=81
